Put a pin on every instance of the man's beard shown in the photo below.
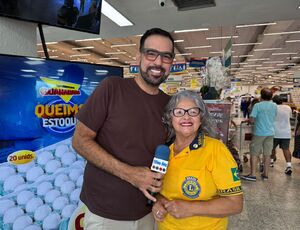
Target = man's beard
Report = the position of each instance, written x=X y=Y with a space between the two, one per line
x=153 y=81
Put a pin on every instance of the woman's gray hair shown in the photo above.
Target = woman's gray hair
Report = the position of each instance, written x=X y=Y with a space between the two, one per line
x=206 y=123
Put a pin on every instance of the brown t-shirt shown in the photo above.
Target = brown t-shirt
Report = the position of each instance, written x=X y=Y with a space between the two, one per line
x=128 y=123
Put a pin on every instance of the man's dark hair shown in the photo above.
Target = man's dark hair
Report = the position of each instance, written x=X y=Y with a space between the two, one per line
x=155 y=31
x=266 y=94
x=277 y=99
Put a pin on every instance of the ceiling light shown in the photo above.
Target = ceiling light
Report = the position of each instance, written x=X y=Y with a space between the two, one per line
x=109 y=58
x=196 y=47
x=184 y=54
x=88 y=39
x=79 y=55
x=216 y=52
x=246 y=55
x=114 y=15
x=267 y=49
x=292 y=41
x=179 y=40
x=78 y=59
x=260 y=24
x=51 y=43
x=246 y=66
x=258 y=59
x=191 y=30
x=284 y=53
x=272 y=62
x=247 y=44
x=283 y=33
x=120 y=52
x=122 y=45
x=83 y=48
x=265 y=67
x=223 y=37
x=104 y=63
x=283 y=64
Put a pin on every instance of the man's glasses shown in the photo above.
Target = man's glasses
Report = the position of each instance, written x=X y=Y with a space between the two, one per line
x=151 y=55
x=179 y=112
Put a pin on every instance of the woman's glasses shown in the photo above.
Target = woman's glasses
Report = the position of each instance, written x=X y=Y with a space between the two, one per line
x=179 y=112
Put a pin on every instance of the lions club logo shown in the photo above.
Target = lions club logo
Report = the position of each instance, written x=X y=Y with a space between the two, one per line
x=191 y=187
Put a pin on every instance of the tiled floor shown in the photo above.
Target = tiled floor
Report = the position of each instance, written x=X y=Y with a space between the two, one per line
x=272 y=204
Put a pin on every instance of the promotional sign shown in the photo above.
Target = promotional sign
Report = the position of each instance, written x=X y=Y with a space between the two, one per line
x=220 y=114
x=40 y=173
x=175 y=68
x=197 y=63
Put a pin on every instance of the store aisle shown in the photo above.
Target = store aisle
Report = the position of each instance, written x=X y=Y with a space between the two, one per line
x=272 y=204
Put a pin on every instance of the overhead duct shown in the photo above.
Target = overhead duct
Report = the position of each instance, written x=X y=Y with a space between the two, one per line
x=193 y=4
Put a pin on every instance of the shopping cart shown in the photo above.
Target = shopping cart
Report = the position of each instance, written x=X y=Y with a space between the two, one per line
x=245 y=138
x=245 y=141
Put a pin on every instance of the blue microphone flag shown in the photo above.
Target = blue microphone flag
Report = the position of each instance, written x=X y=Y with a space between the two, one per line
x=161 y=158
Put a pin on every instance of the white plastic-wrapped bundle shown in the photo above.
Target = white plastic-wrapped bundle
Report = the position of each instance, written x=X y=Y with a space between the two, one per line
x=12 y=214
x=5 y=205
x=24 y=196
x=68 y=158
x=44 y=157
x=79 y=164
x=12 y=182
x=60 y=150
x=33 y=204
x=74 y=197
x=67 y=187
x=52 y=166
x=215 y=73
x=42 y=212
x=20 y=187
x=5 y=172
x=22 y=222
x=59 y=203
x=51 y=196
x=60 y=180
x=23 y=168
x=79 y=181
x=68 y=211
x=51 y=221
x=33 y=227
x=43 y=188
x=33 y=173
x=75 y=173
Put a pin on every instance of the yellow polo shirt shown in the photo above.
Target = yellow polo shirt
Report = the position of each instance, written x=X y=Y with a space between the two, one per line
x=202 y=171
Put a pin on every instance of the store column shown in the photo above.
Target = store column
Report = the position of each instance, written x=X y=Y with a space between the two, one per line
x=18 y=37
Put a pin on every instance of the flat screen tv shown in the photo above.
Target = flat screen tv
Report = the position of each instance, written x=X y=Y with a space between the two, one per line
x=82 y=15
x=39 y=99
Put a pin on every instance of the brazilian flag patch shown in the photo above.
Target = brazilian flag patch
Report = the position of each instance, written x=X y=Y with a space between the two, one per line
x=235 y=174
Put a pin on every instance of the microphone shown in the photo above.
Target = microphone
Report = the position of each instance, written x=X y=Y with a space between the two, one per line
x=159 y=163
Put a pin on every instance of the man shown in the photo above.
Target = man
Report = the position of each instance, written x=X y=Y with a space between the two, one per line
x=282 y=133
x=118 y=130
x=263 y=116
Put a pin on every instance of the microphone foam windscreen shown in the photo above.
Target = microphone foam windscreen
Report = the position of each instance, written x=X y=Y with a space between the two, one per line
x=162 y=152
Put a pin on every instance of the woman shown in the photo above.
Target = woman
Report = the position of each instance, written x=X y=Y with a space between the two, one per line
x=201 y=187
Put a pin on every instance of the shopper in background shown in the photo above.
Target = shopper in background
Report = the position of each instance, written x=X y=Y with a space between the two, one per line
x=201 y=187
x=118 y=130
x=282 y=134
x=263 y=116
